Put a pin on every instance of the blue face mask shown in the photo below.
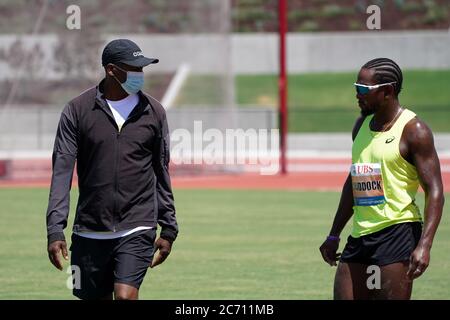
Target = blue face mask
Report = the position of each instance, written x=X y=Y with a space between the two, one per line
x=134 y=82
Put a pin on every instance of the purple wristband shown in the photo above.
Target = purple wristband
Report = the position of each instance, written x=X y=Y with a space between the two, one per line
x=333 y=238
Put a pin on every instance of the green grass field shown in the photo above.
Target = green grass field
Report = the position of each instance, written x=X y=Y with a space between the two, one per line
x=232 y=245
x=325 y=102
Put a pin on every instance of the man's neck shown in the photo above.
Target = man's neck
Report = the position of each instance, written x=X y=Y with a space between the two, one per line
x=388 y=112
x=386 y=115
x=113 y=91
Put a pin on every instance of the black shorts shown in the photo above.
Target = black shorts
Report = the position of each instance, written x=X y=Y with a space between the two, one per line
x=101 y=263
x=389 y=245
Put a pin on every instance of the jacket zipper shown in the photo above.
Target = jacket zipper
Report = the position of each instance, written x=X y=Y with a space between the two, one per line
x=116 y=165
x=116 y=178
x=117 y=158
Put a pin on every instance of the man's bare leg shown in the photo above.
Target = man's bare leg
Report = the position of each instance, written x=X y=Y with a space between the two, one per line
x=125 y=292
x=394 y=283
x=350 y=282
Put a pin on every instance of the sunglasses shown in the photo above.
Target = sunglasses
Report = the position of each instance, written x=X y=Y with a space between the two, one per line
x=364 y=89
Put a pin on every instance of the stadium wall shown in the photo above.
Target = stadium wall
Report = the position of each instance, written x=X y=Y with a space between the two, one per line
x=257 y=53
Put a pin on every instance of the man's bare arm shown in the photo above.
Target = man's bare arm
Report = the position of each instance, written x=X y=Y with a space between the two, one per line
x=422 y=153
x=343 y=213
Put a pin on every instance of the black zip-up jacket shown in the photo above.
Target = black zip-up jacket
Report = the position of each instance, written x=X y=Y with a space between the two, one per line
x=123 y=176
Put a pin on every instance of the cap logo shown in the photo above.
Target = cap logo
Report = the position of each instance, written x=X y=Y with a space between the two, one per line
x=137 y=53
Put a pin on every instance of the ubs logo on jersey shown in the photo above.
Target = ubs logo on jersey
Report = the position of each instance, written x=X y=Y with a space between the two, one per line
x=361 y=169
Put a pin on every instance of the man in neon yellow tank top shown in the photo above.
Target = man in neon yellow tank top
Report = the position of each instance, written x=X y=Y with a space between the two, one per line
x=393 y=152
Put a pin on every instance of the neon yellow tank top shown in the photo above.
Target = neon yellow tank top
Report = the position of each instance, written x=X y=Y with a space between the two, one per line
x=384 y=184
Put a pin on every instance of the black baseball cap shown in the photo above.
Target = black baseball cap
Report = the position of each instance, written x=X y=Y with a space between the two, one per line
x=127 y=52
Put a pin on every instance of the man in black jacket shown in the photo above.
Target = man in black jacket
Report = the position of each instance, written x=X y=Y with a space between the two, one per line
x=120 y=140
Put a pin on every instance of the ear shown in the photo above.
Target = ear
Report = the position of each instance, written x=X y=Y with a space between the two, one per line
x=388 y=92
x=109 y=69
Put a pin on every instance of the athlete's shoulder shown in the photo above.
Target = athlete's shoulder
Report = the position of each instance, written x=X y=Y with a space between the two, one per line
x=417 y=133
x=358 y=123
x=416 y=128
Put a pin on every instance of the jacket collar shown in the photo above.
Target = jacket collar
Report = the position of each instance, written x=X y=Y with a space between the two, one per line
x=100 y=100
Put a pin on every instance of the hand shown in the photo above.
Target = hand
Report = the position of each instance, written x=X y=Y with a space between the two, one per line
x=54 y=249
x=418 y=262
x=164 y=248
x=328 y=250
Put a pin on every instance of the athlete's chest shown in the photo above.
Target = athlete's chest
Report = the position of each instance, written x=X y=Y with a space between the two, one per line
x=380 y=147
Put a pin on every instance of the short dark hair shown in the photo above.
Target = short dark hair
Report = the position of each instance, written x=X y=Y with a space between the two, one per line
x=386 y=71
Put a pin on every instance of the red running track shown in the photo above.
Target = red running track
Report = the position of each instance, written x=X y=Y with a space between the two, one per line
x=303 y=180
x=293 y=181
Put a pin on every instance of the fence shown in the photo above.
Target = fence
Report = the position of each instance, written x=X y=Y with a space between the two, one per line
x=33 y=129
